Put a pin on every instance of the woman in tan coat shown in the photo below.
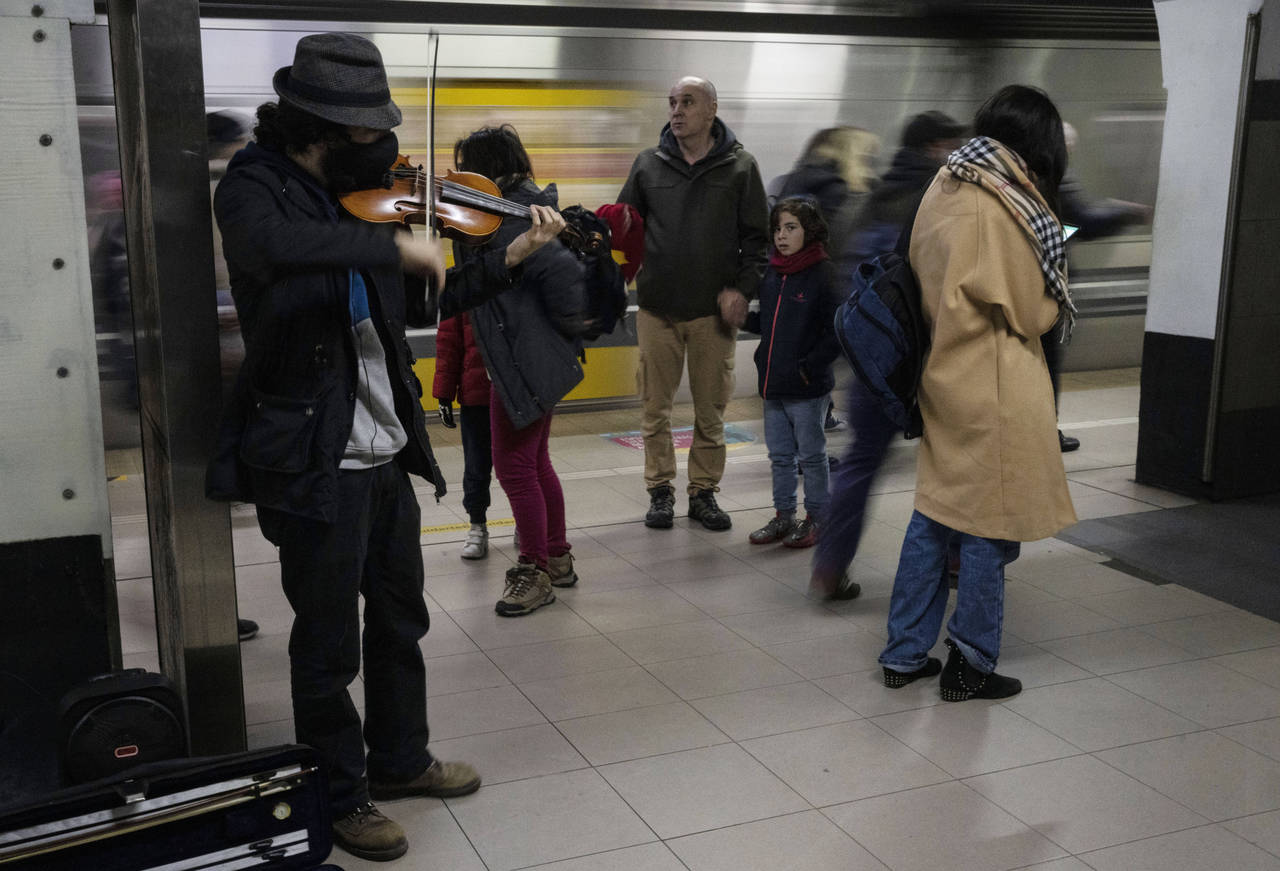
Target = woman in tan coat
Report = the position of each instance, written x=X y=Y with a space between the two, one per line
x=987 y=251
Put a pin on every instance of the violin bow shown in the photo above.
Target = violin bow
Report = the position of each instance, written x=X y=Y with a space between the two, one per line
x=433 y=48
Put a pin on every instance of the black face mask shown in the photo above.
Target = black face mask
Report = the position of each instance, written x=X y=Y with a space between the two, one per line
x=350 y=166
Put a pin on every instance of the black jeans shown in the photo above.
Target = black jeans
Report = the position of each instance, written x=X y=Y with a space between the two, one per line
x=477 y=461
x=371 y=550
x=1053 y=358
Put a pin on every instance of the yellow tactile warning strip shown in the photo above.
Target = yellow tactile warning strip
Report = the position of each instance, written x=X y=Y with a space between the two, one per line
x=463 y=527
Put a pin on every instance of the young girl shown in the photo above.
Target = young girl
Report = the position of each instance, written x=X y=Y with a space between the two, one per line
x=798 y=299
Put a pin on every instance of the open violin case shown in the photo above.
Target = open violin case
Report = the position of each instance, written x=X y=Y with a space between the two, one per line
x=263 y=808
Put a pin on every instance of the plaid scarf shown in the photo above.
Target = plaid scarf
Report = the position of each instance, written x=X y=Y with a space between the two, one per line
x=985 y=162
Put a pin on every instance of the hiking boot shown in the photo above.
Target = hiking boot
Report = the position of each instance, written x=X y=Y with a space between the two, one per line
x=703 y=508
x=477 y=544
x=560 y=570
x=528 y=589
x=366 y=833
x=897 y=679
x=246 y=628
x=662 y=507
x=776 y=529
x=439 y=780
x=804 y=535
x=961 y=681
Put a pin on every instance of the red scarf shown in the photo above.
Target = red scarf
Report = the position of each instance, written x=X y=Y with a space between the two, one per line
x=786 y=264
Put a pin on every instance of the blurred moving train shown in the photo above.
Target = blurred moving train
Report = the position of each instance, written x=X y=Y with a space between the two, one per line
x=586 y=101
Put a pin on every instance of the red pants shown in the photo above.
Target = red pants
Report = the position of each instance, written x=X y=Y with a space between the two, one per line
x=522 y=464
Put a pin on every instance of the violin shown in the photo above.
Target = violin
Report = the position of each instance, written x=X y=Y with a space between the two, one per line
x=467 y=206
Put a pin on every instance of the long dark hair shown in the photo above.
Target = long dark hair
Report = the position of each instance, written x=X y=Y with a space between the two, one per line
x=495 y=152
x=284 y=127
x=804 y=210
x=1024 y=119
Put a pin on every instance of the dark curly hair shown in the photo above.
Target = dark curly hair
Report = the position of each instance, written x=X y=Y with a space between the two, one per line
x=1025 y=120
x=494 y=152
x=284 y=127
x=804 y=210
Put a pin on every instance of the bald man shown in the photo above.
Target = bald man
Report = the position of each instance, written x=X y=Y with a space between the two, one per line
x=706 y=227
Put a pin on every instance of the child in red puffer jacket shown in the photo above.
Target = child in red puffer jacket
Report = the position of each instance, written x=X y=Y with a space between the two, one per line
x=460 y=374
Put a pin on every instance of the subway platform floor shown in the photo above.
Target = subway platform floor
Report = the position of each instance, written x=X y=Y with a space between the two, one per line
x=686 y=706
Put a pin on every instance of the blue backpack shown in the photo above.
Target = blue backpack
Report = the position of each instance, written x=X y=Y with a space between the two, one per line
x=881 y=330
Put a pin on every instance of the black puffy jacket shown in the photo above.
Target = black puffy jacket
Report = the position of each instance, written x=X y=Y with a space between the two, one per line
x=529 y=337
x=288 y=254
x=796 y=323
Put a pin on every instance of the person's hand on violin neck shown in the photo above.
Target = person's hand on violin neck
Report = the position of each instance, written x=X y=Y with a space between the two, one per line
x=545 y=224
x=422 y=256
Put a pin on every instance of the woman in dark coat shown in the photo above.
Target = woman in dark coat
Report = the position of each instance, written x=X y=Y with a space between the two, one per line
x=529 y=341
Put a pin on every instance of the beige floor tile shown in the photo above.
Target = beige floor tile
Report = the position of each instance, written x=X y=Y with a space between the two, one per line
x=1218 y=633
x=445 y=638
x=864 y=691
x=1263 y=736
x=773 y=710
x=1070 y=863
x=513 y=754
x=738 y=594
x=1083 y=804
x=965 y=831
x=690 y=562
x=698 y=790
x=844 y=762
x=1151 y=604
x=639 y=732
x=1116 y=650
x=633 y=608
x=646 y=857
x=1096 y=714
x=607 y=571
x=719 y=673
x=462 y=673
x=552 y=622
x=1210 y=847
x=678 y=641
x=554 y=659
x=797 y=842
x=545 y=819
x=1263 y=664
x=790 y=624
x=1049 y=620
x=480 y=711
x=829 y=655
x=1035 y=666
x=974 y=738
x=1262 y=830
x=1081 y=579
x=1203 y=691
x=480 y=586
x=1214 y=776
x=597 y=692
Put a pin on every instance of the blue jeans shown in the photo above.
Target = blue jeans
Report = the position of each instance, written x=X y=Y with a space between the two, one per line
x=842 y=528
x=920 y=596
x=793 y=431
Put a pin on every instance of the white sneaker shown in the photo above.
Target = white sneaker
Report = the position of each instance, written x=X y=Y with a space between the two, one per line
x=477 y=543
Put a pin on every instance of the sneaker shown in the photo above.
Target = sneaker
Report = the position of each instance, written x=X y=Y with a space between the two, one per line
x=805 y=534
x=846 y=588
x=440 y=780
x=560 y=570
x=778 y=528
x=366 y=833
x=961 y=681
x=246 y=628
x=832 y=423
x=477 y=544
x=662 y=507
x=528 y=589
x=703 y=508
x=897 y=679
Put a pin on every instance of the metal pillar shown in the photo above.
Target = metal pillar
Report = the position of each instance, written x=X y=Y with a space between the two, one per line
x=159 y=86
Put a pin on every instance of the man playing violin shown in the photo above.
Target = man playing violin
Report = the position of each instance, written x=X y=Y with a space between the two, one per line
x=325 y=424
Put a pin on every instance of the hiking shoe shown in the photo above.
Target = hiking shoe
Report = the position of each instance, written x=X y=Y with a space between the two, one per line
x=805 y=534
x=560 y=570
x=440 y=780
x=897 y=679
x=366 y=833
x=776 y=529
x=961 y=681
x=246 y=628
x=528 y=589
x=662 y=507
x=477 y=544
x=703 y=508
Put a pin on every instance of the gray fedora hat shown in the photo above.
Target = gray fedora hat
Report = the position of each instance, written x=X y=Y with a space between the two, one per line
x=339 y=77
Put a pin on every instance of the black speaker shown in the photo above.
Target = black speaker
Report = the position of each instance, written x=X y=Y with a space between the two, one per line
x=118 y=720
